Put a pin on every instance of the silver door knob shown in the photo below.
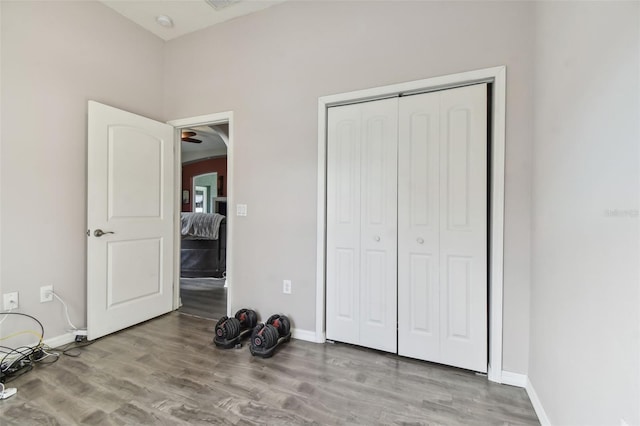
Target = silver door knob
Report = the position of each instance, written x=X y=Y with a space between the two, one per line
x=100 y=232
x=377 y=238
x=420 y=240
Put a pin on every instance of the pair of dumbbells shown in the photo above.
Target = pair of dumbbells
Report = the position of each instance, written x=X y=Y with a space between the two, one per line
x=230 y=331
x=265 y=338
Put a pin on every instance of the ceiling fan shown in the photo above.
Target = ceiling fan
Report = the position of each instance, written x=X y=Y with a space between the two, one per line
x=187 y=137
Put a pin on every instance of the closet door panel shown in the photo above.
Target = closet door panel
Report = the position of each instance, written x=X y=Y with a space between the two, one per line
x=463 y=234
x=458 y=284
x=378 y=286
x=418 y=227
x=343 y=224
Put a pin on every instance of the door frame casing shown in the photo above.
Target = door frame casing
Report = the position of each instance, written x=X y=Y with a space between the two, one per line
x=497 y=77
x=203 y=120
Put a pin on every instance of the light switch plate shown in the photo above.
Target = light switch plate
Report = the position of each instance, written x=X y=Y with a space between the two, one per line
x=241 y=209
x=286 y=286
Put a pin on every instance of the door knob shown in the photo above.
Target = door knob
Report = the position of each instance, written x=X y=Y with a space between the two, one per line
x=377 y=238
x=420 y=240
x=100 y=232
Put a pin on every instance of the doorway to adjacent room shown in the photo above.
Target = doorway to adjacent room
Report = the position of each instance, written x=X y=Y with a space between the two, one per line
x=203 y=250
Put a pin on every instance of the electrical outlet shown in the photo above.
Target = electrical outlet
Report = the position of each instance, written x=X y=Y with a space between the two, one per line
x=286 y=286
x=46 y=293
x=10 y=301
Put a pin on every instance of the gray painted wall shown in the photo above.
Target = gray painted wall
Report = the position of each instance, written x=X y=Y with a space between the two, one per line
x=585 y=355
x=271 y=67
x=572 y=78
x=55 y=57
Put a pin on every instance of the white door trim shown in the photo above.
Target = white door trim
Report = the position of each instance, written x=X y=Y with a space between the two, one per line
x=496 y=76
x=201 y=120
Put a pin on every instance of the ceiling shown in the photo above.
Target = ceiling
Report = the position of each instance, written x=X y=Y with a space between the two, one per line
x=212 y=142
x=187 y=15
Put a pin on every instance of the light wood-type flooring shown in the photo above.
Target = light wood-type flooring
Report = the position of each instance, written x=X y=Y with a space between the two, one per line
x=167 y=372
x=203 y=297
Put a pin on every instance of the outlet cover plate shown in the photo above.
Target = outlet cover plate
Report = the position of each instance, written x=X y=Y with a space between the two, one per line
x=46 y=293
x=8 y=298
x=286 y=286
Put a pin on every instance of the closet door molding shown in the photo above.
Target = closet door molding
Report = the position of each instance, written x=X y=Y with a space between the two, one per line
x=496 y=76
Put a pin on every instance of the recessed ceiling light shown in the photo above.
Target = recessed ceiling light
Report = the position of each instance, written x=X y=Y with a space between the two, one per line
x=165 y=21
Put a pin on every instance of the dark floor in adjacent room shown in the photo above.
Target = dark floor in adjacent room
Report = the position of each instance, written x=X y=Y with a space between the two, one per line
x=203 y=297
x=167 y=372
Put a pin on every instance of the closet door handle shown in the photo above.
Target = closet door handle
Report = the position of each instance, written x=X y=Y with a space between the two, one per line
x=377 y=238
x=420 y=240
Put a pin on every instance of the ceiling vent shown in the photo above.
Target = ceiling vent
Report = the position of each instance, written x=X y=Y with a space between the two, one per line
x=220 y=4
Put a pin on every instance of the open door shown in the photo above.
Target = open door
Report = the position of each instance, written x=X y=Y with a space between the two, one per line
x=130 y=209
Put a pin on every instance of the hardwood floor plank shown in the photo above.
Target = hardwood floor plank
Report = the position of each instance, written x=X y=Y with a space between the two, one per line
x=203 y=297
x=24 y=413
x=168 y=372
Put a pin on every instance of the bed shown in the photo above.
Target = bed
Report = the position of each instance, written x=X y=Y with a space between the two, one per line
x=203 y=248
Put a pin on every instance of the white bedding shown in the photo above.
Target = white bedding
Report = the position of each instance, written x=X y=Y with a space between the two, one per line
x=204 y=226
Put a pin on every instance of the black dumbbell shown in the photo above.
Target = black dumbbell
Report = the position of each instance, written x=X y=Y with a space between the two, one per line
x=247 y=317
x=230 y=328
x=264 y=336
x=227 y=328
x=281 y=323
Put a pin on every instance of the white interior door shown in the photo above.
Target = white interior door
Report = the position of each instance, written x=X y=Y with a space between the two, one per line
x=463 y=227
x=130 y=199
x=442 y=288
x=419 y=227
x=362 y=224
x=379 y=225
x=343 y=224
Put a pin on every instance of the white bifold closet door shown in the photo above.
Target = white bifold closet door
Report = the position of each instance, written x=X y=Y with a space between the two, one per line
x=407 y=226
x=362 y=224
x=442 y=227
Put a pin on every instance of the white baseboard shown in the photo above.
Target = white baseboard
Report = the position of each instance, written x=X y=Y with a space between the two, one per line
x=63 y=339
x=53 y=342
x=309 y=336
x=537 y=405
x=514 y=379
